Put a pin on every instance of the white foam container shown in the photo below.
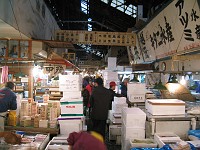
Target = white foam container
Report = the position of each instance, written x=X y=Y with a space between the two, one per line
x=71 y=108
x=72 y=95
x=165 y=107
x=133 y=117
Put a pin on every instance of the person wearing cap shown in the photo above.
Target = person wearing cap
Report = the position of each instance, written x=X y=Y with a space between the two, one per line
x=100 y=100
x=113 y=93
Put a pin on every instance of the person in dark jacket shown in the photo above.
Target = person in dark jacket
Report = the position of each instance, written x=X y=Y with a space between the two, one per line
x=124 y=87
x=8 y=98
x=114 y=94
x=99 y=102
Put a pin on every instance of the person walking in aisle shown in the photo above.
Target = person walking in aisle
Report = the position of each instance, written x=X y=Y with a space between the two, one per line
x=100 y=102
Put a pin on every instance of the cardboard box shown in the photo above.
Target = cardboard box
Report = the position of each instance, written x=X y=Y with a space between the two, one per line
x=165 y=107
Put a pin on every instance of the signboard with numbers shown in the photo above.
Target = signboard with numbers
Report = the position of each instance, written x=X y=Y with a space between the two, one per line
x=96 y=38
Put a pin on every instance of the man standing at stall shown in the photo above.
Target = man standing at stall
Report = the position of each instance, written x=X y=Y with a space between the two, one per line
x=8 y=98
x=7 y=101
x=100 y=101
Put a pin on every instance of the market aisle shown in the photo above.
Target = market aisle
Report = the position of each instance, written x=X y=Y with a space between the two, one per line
x=111 y=145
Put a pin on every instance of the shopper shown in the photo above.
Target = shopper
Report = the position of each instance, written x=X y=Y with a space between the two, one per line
x=124 y=87
x=85 y=94
x=100 y=101
x=113 y=93
x=7 y=98
x=89 y=86
x=86 y=141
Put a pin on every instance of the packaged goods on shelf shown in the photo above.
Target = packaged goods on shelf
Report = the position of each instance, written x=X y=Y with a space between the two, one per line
x=24 y=108
x=165 y=107
x=43 y=124
x=34 y=108
x=52 y=113
x=26 y=121
x=43 y=111
x=37 y=118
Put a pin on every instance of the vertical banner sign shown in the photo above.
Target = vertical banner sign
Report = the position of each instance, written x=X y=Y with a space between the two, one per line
x=174 y=30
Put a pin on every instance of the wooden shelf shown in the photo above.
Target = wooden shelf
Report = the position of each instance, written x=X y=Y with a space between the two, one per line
x=32 y=129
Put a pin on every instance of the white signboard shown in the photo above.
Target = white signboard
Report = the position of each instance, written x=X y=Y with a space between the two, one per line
x=174 y=30
x=70 y=83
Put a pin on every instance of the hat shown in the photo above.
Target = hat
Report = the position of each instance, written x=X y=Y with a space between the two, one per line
x=112 y=83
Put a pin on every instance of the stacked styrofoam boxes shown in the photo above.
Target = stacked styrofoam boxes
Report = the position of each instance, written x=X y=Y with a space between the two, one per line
x=133 y=125
x=71 y=118
x=116 y=118
x=118 y=104
x=136 y=92
x=109 y=76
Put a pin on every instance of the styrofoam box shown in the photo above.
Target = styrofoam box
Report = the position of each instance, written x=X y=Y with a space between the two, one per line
x=116 y=118
x=64 y=99
x=166 y=107
x=70 y=83
x=132 y=132
x=143 y=143
x=136 y=88
x=133 y=117
x=117 y=107
x=71 y=107
x=120 y=99
x=74 y=94
x=125 y=144
x=166 y=138
x=136 y=97
x=115 y=129
x=69 y=126
x=112 y=63
x=57 y=144
x=118 y=140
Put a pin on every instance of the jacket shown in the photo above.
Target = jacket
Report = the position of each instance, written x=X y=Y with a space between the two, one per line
x=7 y=100
x=100 y=101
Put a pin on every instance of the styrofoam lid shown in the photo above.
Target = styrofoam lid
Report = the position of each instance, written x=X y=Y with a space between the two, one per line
x=133 y=110
x=166 y=101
